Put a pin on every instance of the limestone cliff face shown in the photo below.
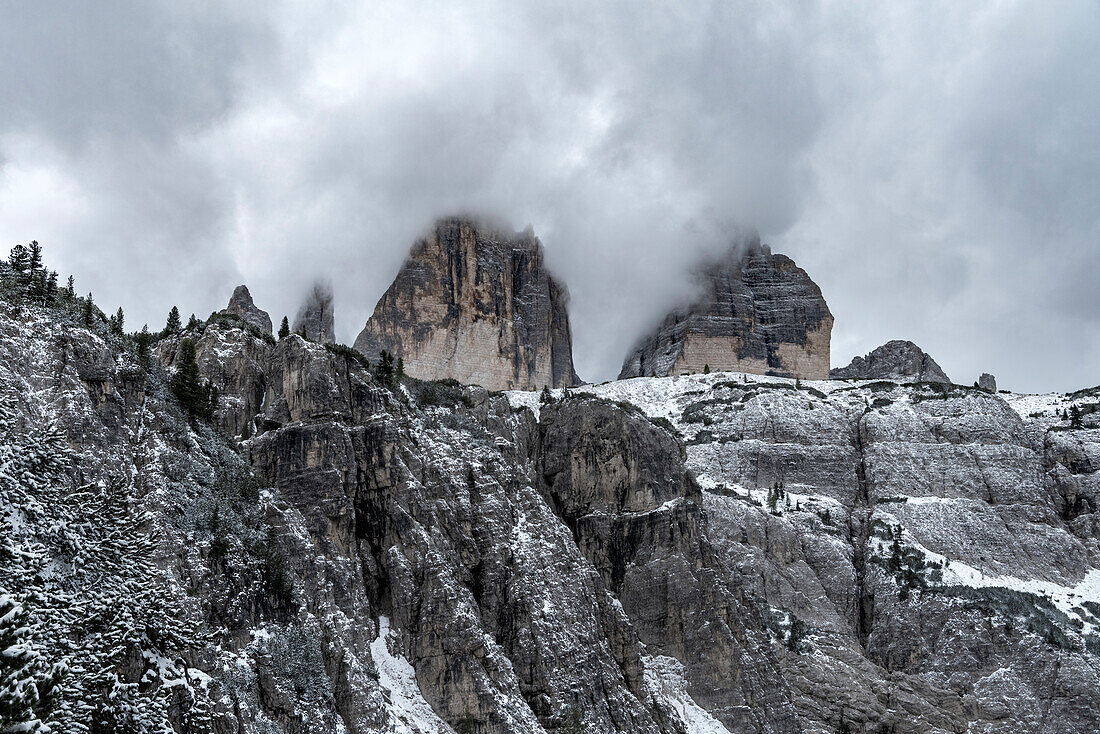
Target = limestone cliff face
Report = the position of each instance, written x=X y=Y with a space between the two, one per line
x=757 y=312
x=475 y=304
x=315 y=318
x=759 y=556
x=895 y=360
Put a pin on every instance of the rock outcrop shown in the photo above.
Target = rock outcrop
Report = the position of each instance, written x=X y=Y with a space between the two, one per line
x=241 y=305
x=476 y=304
x=987 y=382
x=757 y=312
x=656 y=556
x=315 y=318
x=897 y=360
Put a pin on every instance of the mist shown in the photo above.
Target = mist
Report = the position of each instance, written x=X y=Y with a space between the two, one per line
x=934 y=168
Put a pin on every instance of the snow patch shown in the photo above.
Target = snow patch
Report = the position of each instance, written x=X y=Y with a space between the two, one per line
x=665 y=682
x=411 y=713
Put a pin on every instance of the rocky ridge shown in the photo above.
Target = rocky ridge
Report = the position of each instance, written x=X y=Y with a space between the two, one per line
x=756 y=312
x=898 y=360
x=697 y=554
x=475 y=304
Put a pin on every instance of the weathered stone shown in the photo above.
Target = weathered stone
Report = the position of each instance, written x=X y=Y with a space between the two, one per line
x=476 y=304
x=897 y=360
x=240 y=304
x=315 y=318
x=987 y=382
x=757 y=312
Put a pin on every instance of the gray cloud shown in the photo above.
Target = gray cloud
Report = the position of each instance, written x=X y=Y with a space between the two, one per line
x=934 y=169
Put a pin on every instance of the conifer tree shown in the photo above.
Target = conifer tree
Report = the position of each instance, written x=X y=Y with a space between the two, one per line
x=143 y=339
x=51 y=286
x=706 y=369
x=38 y=283
x=546 y=397
x=34 y=260
x=185 y=382
x=70 y=289
x=192 y=322
x=173 y=325
x=399 y=371
x=28 y=684
x=383 y=371
x=19 y=259
x=117 y=322
x=284 y=329
x=89 y=310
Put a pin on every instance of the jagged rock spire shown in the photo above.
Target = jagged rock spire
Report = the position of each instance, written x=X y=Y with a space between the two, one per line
x=477 y=304
x=315 y=317
x=241 y=304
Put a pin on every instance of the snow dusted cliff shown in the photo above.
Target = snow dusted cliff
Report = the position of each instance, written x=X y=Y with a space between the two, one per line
x=705 y=553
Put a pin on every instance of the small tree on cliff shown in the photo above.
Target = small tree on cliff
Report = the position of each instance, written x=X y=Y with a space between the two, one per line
x=173 y=325
x=89 y=310
x=284 y=329
x=19 y=259
x=34 y=262
x=185 y=383
x=384 y=370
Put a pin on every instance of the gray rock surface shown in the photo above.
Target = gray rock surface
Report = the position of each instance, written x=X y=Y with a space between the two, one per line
x=692 y=554
x=315 y=318
x=987 y=382
x=756 y=312
x=476 y=304
x=240 y=304
x=897 y=360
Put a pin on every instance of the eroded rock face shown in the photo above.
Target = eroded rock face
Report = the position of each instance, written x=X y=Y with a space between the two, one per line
x=476 y=304
x=240 y=304
x=757 y=312
x=761 y=554
x=315 y=318
x=896 y=360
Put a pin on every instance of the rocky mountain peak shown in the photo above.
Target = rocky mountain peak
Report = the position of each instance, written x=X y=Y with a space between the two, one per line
x=756 y=312
x=475 y=303
x=315 y=317
x=241 y=304
x=898 y=360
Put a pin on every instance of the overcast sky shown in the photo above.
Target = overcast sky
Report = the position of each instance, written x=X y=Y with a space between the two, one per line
x=935 y=168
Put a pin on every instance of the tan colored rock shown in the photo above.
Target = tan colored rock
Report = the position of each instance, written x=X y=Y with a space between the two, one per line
x=756 y=312
x=475 y=304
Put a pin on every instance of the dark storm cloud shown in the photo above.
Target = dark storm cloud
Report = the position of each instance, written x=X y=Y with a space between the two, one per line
x=933 y=168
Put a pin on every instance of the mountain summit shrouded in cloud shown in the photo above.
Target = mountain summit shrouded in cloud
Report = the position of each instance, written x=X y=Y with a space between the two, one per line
x=936 y=168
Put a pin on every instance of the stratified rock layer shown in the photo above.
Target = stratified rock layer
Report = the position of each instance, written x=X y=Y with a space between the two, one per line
x=897 y=360
x=757 y=313
x=315 y=318
x=241 y=305
x=478 y=305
